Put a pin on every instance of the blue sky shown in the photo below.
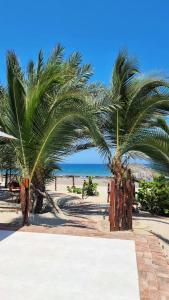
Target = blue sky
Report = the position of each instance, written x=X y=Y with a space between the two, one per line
x=96 y=28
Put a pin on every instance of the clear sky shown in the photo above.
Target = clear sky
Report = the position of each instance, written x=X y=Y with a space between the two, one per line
x=96 y=28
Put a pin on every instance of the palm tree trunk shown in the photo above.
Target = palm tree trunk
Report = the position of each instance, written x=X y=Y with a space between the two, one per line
x=39 y=183
x=24 y=196
x=121 y=198
x=39 y=203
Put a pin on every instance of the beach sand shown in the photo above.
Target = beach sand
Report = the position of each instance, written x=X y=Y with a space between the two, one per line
x=88 y=216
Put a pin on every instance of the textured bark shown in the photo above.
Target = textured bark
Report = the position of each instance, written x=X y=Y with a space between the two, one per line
x=39 y=204
x=39 y=184
x=24 y=198
x=122 y=196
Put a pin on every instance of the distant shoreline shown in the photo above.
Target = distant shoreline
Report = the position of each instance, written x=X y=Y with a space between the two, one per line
x=102 y=170
x=83 y=170
x=97 y=171
x=82 y=176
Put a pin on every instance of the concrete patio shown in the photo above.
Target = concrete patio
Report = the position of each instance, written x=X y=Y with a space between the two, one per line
x=49 y=266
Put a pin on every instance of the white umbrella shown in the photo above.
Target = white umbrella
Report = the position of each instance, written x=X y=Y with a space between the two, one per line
x=6 y=136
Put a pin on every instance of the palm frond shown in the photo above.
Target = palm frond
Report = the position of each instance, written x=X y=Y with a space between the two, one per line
x=47 y=108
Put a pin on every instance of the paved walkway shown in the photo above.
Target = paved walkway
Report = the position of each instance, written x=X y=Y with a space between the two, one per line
x=145 y=223
x=153 y=267
x=45 y=266
x=88 y=219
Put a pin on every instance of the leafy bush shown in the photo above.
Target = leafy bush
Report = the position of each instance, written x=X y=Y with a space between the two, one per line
x=78 y=190
x=69 y=189
x=74 y=189
x=154 y=196
x=90 y=188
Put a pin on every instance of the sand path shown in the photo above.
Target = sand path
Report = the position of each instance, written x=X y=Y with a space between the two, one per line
x=89 y=214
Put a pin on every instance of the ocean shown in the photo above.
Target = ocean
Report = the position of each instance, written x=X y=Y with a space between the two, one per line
x=84 y=170
x=90 y=170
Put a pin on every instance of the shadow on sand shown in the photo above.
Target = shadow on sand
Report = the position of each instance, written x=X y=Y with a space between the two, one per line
x=47 y=222
x=76 y=206
x=148 y=217
x=75 y=214
x=40 y=220
x=160 y=237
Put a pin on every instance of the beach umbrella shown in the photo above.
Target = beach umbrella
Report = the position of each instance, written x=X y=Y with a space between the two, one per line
x=6 y=136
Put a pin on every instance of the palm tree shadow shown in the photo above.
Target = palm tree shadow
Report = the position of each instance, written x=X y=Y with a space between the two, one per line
x=161 y=237
x=14 y=225
x=40 y=220
x=8 y=197
x=71 y=207
x=149 y=218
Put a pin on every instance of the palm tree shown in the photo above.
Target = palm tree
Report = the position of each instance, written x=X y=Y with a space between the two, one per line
x=126 y=110
x=43 y=110
x=139 y=100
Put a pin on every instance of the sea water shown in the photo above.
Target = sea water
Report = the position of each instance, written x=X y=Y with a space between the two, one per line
x=84 y=170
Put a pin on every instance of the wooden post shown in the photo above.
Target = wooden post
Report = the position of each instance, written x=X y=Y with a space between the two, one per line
x=112 y=205
x=73 y=181
x=55 y=183
x=108 y=192
x=6 y=178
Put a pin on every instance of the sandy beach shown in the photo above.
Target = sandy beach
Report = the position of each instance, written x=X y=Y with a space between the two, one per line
x=85 y=216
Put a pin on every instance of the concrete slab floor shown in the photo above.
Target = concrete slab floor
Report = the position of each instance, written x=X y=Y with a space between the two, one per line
x=39 y=266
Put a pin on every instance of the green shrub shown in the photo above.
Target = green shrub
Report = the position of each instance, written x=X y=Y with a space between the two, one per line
x=154 y=196
x=78 y=190
x=90 y=188
x=69 y=189
x=74 y=189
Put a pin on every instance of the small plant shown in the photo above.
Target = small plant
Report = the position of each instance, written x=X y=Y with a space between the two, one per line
x=90 y=188
x=69 y=189
x=78 y=190
x=74 y=189
x=154 y=196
